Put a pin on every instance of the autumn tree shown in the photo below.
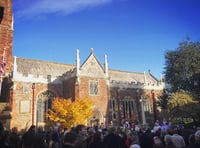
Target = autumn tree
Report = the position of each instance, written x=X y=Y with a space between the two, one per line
x=70 y=113
x=183 y=105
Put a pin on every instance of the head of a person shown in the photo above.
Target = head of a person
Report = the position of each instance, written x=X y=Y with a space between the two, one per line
x=168 y=139
x=158 y=142
x=197 y=136
x=111 y=129
x=175 y=131
x=90 y=131
x=32 y=128
x=132 y=136
x=70 y=137
x=135 y=146
x=81 y=129
x=191 y=139
x=14 y=130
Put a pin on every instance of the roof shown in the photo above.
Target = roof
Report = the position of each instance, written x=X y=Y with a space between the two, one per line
x=39 y=67
x=135 y=77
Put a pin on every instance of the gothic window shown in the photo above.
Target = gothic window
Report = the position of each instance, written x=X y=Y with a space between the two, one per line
x=110 y=104
x=93 y=88
x=114 y=116
x=25 y=89
x=48 y=78
x=113 y=104
x=127 y=108
x=25 y=74
x=1 y=13
x=43 y=104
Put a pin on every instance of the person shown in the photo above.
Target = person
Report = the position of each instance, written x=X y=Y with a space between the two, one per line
x=82 y=136
x=55 y=143
x=5 y=141
x=69 y=140
x=112 y=140
x=14 y=138
x=191 y=141
x=146 y=139
x=96 y=141
x=41 y=138
x=158 y=142
x=29 y=138
x=177 y=139
x=168 y=141
x=131 y=139
x=197 y=139
x=135 y=146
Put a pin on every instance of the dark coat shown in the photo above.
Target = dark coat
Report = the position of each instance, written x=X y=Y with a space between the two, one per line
x=112 y=141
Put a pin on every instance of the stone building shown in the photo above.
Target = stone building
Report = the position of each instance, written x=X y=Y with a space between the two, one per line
x=6 y=38
x=29 y=86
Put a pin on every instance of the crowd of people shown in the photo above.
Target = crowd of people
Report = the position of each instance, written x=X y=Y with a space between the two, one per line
x=160 y=136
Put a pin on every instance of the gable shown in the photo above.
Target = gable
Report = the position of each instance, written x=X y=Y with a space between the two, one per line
x=92 y=68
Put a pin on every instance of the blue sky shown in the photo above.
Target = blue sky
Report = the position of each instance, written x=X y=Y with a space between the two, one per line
x=135 y=34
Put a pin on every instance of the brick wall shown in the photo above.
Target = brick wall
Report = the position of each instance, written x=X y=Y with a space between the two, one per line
x=100 y=100
x=21 y=119
x=6 y=33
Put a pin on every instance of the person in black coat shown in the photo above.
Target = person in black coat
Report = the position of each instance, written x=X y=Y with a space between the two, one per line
x=69 y=140
x=146 y=139
x=96 y=141
x=29 y=138
x=112 y=140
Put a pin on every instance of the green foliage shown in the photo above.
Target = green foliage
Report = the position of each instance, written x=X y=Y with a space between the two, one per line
x=183 y=105
x=182 y=68
x=163 y=100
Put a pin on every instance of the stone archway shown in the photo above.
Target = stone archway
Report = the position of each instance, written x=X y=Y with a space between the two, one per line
x=44 y=102
x=97 y=117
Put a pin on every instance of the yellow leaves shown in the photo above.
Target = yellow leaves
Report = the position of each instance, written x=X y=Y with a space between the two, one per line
x=183 y=104
x=181 y=99
x=70 y=113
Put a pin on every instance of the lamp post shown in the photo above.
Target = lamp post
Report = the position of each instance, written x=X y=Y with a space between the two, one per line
x=143 y=113
x=154 y=105
x=33 y=101
x=118 y=108
x=137 y=105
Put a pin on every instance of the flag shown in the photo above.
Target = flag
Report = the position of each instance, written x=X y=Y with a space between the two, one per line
x=3 y=63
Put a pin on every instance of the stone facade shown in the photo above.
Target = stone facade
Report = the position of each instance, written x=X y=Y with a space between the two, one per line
x=116 y=94
x=30 y=86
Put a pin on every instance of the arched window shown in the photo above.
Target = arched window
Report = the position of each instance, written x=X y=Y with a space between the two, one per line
x=43 y=104
x=1 y=13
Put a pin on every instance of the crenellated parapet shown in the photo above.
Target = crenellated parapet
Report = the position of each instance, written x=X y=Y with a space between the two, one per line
x=136 y=85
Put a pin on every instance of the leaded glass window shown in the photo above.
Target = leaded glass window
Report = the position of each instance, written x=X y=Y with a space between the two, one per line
x=43 y=104
x=93 y=88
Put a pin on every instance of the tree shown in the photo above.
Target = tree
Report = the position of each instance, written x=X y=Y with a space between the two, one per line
x=69 y=113
x=163 y=100
x=182 y=68
x=183 y=105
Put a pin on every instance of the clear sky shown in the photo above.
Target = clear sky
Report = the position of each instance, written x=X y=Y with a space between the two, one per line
x=135 y=34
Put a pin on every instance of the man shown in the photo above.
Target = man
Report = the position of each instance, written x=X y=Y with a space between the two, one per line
x=69 y=141
x=112 y=140
x=177 y=139
x=197 y=139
